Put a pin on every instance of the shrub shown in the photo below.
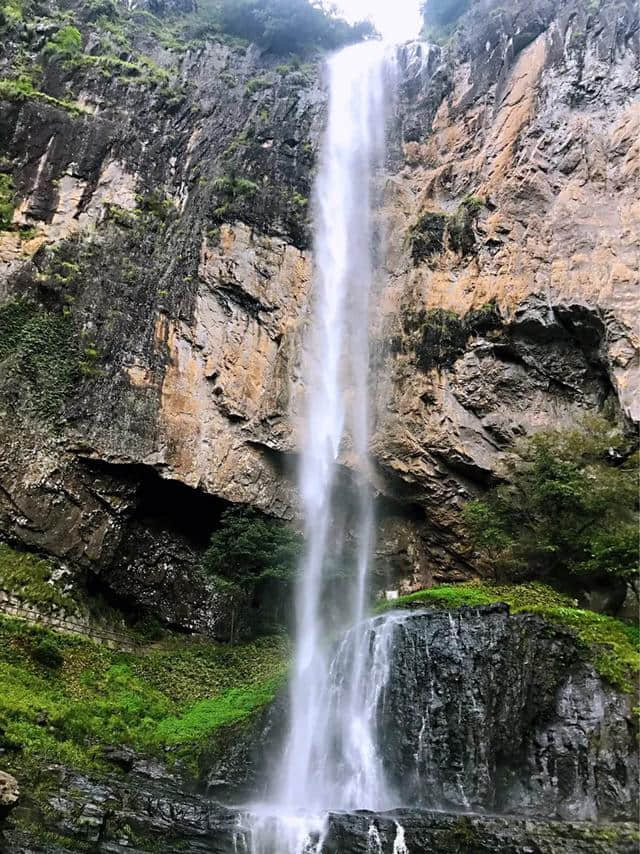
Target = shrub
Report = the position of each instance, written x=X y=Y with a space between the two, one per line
x=6 y=201
x=251 y=551
x=46 y=652
x=285 y=26
x=66 y=43
x=569 y=508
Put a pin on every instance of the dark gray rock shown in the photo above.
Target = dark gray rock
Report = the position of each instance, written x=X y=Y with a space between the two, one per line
x=493 y=712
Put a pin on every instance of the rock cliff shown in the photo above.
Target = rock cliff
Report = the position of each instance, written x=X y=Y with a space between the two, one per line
x=155 y=282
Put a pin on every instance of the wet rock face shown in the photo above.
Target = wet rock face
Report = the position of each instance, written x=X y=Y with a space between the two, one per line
x=440 y=833
x=490 y=712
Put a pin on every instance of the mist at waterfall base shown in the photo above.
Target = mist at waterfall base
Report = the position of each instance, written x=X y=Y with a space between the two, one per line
x=331 y=760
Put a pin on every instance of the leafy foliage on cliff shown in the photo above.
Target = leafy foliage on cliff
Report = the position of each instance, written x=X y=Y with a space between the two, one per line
x=569 y=508
x=288 y=26
x=251 y=554
x=611 y=644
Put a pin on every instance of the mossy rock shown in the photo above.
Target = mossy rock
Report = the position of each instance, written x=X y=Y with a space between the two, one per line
x=436 y=229
x=426 y=237
x=438 y=337
x=610 y=644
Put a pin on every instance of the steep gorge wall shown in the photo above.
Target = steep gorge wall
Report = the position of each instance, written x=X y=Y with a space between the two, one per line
x=157 y=295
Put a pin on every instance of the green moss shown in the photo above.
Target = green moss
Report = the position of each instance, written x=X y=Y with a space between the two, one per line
x=438 y=336
x=426 y=237
x=460 y=229
x=6 y=201
x=40 y=352
x=611 y=644
x=30 y=579
x=152 y=699
x=21 y=88
x=45 y=362
x=462 y=838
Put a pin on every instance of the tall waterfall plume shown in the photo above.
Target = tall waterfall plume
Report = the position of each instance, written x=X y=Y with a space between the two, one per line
x=331 y=761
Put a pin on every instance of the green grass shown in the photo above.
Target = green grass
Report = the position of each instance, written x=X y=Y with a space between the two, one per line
x=204 y=718
x=152 y=699
x=29 y=578
x=611 y=644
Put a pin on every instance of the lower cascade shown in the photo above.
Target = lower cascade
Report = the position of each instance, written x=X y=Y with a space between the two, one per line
x=471 y=716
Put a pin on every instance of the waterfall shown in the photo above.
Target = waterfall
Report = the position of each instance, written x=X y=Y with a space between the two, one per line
x=337 y=384
x=331 y=760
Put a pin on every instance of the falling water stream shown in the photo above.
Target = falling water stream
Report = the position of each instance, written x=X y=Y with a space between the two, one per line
x=331 y=761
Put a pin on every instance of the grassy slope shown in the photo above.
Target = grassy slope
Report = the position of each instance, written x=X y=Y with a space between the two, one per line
x=175 y=697
x=610 y=643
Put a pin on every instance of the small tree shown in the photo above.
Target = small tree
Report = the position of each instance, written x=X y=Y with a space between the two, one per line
x=252 y=555
x=285 y=26
x=569 y=507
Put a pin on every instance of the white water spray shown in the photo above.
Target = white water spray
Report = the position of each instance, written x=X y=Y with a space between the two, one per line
x=338 y=402
x=331 y=760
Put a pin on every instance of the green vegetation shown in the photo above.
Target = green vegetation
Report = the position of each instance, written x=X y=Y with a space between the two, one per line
x=460 y=231
x=29 y=578
x=426 y=237
x=288 y=26
x=206 y=717
x=40 y=357
x=65 y=698
x=21 y=88
x=6 y=201
x=438 y=336
x=231 y=190
x=569 y=509
x=157 y=204
x=47 y=653
x=611 y=644
x=257 y=84
x=10 y=13
x=252 y=555
x=66 y=43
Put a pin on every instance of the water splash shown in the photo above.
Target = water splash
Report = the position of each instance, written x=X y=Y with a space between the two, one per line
x=399 y=844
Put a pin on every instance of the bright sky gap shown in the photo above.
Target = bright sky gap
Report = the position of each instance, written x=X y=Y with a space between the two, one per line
x=395 y=20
